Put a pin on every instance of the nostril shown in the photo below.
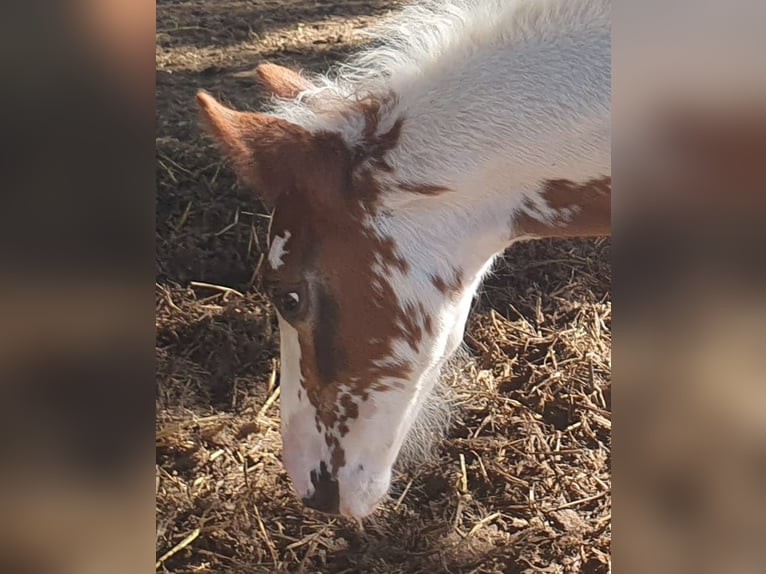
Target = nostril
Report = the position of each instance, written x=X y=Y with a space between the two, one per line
x=326 y=497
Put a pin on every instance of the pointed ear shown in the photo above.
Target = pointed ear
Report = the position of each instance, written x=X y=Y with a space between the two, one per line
x=263 y=149
x=282 y=82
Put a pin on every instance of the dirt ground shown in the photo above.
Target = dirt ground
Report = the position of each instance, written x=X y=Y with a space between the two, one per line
x=522 y=481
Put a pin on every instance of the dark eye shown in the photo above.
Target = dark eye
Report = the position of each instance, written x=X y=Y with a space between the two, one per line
x=289 y=302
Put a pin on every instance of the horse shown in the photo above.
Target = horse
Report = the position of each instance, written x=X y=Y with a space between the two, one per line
x=395 y=180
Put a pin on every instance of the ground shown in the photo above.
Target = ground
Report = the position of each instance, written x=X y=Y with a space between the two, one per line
x=521 y=483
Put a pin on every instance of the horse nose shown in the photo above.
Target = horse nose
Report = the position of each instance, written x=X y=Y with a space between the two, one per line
x=326 y=496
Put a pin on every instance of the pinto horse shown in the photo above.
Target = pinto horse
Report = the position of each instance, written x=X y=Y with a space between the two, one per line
x=395 y=182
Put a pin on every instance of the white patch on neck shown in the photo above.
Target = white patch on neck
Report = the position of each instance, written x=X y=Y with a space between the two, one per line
x=278 y=250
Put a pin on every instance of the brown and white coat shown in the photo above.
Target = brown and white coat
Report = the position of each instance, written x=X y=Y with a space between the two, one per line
x=395 y=184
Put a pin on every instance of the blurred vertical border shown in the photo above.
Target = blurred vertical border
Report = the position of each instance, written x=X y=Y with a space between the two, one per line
x=689 y=280
x=76 y=286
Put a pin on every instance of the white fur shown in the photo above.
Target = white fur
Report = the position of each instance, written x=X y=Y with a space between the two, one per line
x=278 y=250
x=302 y=445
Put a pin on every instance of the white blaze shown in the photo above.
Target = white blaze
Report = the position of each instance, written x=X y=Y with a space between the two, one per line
x=303 y=447
x=290 y=370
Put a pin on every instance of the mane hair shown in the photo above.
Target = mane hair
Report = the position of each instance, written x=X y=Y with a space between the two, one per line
x=422 y=37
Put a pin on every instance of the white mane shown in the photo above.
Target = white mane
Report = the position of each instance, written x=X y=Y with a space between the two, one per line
x=426 y=42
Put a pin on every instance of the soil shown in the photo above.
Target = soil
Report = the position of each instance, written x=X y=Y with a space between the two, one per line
x=521 y=483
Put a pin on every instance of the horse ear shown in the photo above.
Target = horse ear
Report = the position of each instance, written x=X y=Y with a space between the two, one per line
x=262 y=148
x=282 y=82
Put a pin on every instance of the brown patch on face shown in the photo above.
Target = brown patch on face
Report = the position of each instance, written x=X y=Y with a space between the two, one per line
x=338 y=456
x=350 y=412
x=353 y=325
x=348 y=404
x=585 y=210
x=347 y=337
x=329 y=358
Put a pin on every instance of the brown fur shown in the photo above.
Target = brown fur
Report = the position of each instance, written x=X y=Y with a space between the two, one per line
x=591 y=200
x=332 y=250
x=376 y=146
x=280 y=81
x=268 y=153
x=423 y=188
x=451 y=285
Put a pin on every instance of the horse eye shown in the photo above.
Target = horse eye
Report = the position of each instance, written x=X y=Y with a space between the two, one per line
x=290 y=302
